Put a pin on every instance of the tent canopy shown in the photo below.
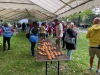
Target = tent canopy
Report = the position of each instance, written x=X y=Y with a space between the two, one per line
x=42 y=9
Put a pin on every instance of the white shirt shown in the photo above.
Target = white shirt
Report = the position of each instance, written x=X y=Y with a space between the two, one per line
x=58 y=28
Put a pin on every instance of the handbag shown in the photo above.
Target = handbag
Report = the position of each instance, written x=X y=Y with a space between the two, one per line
x=33 y=38
x=69 y=39
x=28 y=35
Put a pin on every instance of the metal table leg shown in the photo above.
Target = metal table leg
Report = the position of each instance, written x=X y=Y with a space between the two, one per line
x=46 y=67
x=51 y=62
x=58 y=67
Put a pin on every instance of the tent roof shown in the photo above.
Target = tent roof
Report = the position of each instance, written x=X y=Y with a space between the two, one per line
x=42 y=9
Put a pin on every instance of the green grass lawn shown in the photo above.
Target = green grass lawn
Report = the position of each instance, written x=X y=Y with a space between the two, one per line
x=19 y=61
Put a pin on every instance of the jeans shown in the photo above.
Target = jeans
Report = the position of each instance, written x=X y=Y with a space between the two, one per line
x=69 y=53
x=4 y=43
x=32 y=48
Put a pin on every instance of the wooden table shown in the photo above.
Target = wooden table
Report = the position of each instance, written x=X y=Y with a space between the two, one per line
x=43 y=58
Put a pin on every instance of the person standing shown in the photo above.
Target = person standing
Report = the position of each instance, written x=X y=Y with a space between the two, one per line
x=59 y=33
x=15 y=28
x=23 y=26
x=27 y=28
x=93 y=34
x=70 y=46
x=34 y=37
x=7 y=34
x=43 y=30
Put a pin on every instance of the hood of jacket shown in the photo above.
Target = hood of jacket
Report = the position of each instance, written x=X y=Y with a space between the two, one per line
x=96 y=27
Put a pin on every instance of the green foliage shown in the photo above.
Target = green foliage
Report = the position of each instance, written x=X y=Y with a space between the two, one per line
x=86 y=17
x=73 y=17
x=19 y=61
x=85 y=13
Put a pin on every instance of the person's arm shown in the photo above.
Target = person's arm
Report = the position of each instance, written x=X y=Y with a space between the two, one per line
x=59 y=33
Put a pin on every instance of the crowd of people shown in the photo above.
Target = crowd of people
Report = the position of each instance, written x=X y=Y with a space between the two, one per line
x=57 y=28
x=66 y=35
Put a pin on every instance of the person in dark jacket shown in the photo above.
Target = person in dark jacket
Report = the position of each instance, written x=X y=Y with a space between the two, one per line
x=7 y=34
x=70 y=46
x=23 y=26
x=34 y=37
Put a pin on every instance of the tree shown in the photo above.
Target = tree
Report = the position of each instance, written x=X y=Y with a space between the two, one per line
x=84 y=17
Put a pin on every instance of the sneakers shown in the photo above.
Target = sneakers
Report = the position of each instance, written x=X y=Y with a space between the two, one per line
x=98 y=71
x=92 y=68
x=4 y=51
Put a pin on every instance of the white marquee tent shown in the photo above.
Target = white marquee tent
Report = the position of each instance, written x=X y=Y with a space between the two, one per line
x=42 y=9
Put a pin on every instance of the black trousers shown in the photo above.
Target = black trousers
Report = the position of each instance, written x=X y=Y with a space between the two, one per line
x=23 y=28
x=32 y=48
x=4 y=43
x=64 y=43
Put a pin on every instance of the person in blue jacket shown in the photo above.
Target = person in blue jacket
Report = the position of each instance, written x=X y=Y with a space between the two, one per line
x=7 y=34
x=34 y=37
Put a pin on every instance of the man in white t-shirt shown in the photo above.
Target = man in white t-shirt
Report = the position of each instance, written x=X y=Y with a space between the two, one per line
x=59 y=33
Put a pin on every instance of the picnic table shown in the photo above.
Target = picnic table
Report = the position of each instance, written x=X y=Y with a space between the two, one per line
x=45 y=48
